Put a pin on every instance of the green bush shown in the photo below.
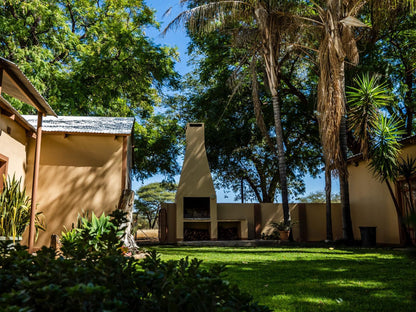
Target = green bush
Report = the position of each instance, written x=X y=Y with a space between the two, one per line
x=15 y=209
x=105 y=280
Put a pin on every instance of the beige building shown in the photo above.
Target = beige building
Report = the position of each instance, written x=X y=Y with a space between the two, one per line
x=371 y=203
x=77 y=163
x=85 y=164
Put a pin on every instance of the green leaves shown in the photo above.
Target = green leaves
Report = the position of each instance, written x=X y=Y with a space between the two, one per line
x=94 y=235
x=365 y=101
x=15 y=208
x=150 y=197
x=386 y=148
x=106 y=280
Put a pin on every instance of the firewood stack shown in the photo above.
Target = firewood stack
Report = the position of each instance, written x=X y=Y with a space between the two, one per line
x=196 y=234
x=230 y=233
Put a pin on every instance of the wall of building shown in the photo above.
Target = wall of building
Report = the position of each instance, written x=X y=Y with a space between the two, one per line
x=310 y=219
x=13 y=146
x=371 y=203
x=77 y=173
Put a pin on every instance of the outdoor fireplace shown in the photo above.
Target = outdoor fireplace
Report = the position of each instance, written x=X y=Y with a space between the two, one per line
x=196 y=208
x=196 y=231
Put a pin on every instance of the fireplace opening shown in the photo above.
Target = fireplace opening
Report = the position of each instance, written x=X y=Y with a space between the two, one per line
x=196 y=208
x=196 y=231
x=229 y=230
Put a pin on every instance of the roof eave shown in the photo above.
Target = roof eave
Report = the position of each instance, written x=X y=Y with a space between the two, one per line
x=19 y=77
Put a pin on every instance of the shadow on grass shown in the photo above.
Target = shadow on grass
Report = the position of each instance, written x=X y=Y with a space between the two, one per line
x=291 y=279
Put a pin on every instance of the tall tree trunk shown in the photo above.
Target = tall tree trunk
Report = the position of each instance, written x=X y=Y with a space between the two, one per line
x=329 y=235
x=282 y=158
x=347 y=232
x=403 y=233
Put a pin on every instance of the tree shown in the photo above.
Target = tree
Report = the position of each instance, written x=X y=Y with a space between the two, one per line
x=318 y=197
x=390 y=49
x=150 y=197
x=337 y=19
x=237 y=148
x=263 y=24
x=93 y=58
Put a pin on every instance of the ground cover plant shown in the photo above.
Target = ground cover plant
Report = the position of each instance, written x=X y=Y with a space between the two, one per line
x=103 y=279
x=315 y=279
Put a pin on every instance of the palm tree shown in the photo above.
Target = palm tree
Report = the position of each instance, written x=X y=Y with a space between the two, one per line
x=337 y=19
x=267 y=25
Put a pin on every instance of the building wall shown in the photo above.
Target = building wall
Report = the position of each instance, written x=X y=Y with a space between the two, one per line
x=371 y=203
x=310 y=219
x=13 y=146
x=77 y=173
x=315 y=221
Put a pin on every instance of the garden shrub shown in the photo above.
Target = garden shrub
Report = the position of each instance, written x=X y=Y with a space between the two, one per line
x=105 y=280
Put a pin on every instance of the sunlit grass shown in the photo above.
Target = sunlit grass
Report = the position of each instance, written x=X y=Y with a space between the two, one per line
x=315 y=279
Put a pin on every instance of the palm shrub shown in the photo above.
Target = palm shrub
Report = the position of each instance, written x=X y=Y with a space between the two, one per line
x=378 y=134
x=15 y=209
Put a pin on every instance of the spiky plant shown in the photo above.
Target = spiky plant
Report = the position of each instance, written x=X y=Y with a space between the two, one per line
x=14 y=208
x=365 y=100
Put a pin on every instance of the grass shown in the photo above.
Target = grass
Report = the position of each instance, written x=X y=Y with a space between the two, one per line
x=315 y=279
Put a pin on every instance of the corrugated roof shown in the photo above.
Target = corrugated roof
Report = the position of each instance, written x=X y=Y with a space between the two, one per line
x=24 y=91
x=82 y=124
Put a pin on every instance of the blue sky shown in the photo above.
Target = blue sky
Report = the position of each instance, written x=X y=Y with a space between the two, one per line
x=177 y=38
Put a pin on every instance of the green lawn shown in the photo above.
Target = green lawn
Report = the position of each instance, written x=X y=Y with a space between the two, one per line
x=315 y=279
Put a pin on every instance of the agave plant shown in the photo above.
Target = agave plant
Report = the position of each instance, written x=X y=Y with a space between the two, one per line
x=14 y=208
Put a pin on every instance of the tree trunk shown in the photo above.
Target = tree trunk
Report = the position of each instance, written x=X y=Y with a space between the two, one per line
x=126 y=204
x=329 y=235
x=403 y=233
x=347 y=232
x=282 y=159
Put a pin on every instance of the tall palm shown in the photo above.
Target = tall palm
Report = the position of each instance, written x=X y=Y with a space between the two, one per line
x=337 y=19
x=269 y=24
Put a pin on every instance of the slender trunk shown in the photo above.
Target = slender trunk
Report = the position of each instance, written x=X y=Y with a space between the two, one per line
x=404 y=235
x=409 y=184
x=329 y=235
x=282 y=159
x=408 y=101
x=347 y=231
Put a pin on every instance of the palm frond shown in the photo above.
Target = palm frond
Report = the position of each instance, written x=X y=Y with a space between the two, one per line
x=365 y=101
x=210 y=16
x=386 y=149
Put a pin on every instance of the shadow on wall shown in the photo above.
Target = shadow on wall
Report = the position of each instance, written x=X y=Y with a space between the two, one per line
x=69 y=187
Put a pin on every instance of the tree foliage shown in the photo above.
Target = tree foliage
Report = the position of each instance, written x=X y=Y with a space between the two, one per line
x=150 y=197
x=318 y=197
x=93 y=58
x=220 y=94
